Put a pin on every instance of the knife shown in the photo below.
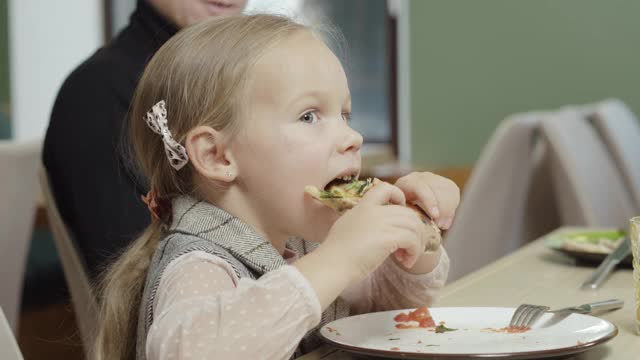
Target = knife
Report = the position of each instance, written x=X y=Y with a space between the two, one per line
x=609 y=263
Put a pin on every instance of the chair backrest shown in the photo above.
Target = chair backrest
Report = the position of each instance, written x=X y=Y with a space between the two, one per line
x=587 y=185
x=9 y=349
x=75 y=272
x=620 y=131
x=18 y=196
x=491 y=220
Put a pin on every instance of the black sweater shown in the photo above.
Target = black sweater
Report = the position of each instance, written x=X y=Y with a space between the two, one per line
x=97 y=195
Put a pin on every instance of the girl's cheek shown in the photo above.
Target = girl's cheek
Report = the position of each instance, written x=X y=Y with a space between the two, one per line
x=292 y=142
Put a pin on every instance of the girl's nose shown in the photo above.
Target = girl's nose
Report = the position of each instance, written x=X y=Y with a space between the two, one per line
x=352 y=140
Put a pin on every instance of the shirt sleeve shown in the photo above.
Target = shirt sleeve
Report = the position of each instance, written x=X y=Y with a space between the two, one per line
x=390 y=287
x=203 y=311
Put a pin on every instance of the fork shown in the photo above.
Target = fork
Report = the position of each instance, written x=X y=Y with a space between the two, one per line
x=526 y=314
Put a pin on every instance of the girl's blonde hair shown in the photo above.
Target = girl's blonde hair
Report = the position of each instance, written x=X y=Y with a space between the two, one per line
x=201 y=74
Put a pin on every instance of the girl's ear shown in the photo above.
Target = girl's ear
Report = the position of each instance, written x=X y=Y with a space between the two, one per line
x=209 y=155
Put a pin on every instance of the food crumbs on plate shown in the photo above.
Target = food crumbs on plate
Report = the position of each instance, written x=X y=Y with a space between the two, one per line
x=429 y=345
x=402 y=317
x=421 y=316
x=579 y=343
x=404 y=326
x=508 y=329
x=442 y=329
x=332 y=330
x=419 y=342
x=395 y=348
x=516 y=329
x=394 y=338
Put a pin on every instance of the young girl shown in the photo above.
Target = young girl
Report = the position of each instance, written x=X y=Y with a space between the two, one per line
x=231 y=120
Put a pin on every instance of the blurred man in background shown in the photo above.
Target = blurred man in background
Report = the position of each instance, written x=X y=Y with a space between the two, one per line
x=97 y=193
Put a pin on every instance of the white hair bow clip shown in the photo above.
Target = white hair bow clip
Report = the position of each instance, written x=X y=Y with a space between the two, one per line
x=157 y=120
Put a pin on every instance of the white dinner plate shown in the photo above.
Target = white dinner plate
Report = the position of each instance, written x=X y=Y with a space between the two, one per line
x=478 y=335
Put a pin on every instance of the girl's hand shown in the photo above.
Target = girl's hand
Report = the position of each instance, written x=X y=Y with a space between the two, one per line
x=367 y=234
x=436 y=195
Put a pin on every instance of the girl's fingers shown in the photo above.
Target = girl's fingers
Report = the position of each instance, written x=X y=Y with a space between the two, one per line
x=384 y=193
x=417 y=190
x=428 y=201
x=410 y=246
x=408 y=221
x=436 y=195
x=403 y=217
x=449 y=200
x=401 y=255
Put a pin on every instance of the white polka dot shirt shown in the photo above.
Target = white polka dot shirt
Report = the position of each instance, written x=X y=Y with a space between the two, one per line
x=203 y=311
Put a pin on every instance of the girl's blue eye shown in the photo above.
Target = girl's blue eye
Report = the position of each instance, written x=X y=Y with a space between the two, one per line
x=346 y=116
x=310 y=117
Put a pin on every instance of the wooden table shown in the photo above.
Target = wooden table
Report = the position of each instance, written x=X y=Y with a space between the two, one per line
x=537 y=275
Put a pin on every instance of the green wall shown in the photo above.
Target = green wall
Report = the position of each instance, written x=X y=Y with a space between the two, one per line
x=475 y=62
x=5 y=129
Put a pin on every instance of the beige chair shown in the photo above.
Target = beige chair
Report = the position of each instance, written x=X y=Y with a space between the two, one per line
x=539 y=170
x=587 y=185
x=84 y=301
x=18 y=196
x=500 y=210
x=620 y=131
x=9 y=349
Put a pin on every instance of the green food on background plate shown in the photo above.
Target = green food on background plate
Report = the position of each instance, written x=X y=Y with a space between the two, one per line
x=597 y=242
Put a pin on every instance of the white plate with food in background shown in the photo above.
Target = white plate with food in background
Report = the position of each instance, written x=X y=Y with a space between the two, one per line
x=590 y=246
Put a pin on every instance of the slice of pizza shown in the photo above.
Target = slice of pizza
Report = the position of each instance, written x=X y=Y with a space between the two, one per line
x=343 y=195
